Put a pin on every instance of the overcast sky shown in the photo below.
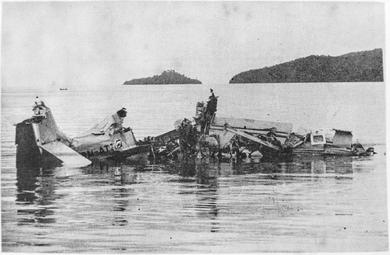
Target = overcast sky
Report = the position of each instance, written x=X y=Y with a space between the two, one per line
x=102 y=44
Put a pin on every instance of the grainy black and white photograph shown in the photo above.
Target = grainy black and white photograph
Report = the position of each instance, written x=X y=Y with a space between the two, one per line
x=193 y=127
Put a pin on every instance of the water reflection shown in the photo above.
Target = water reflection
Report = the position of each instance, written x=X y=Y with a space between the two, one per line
x=207 y=193
x=26 y=182
x=202 y=178
x=113 y=172
x=121 y=202
x=120 y=176
x=300 y=166
x=36 y=187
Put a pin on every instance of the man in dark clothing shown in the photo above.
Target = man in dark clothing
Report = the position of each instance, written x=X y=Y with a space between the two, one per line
x=211 y=108
x=212 y=94
x=212 y=103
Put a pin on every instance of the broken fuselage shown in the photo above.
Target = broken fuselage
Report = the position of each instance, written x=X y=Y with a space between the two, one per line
x=39 y=140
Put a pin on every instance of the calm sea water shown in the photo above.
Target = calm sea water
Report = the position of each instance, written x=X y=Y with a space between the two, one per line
x=317 y=204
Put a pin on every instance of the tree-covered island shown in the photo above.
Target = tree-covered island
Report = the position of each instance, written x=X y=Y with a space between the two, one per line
x=166 y=77
x=363 y=66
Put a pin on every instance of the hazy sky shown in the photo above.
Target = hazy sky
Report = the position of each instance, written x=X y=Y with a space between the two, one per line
x=90 y=44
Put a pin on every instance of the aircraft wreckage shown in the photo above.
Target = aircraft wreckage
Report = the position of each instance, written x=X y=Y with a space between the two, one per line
x=209 y=135
x=39 y=140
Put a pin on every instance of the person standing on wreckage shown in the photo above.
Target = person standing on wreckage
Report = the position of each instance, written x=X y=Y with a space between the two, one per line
x=211 y=108
x=208 y=146
x=212 y=103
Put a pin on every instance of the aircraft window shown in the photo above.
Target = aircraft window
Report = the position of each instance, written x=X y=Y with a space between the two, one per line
x=318 y=138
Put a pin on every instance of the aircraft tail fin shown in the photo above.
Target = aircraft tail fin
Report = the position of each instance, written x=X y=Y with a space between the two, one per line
x=39 y=138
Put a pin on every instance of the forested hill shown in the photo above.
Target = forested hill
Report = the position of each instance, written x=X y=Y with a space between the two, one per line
x=363 y=66
x=166 y=77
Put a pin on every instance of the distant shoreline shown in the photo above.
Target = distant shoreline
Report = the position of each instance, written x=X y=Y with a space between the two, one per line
x=161 y=84
x=169 y=77
x=300 y=82
x=363 y=66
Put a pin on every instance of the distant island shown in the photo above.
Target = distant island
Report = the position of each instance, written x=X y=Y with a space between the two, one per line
x=166 y=77
x=363 y=66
